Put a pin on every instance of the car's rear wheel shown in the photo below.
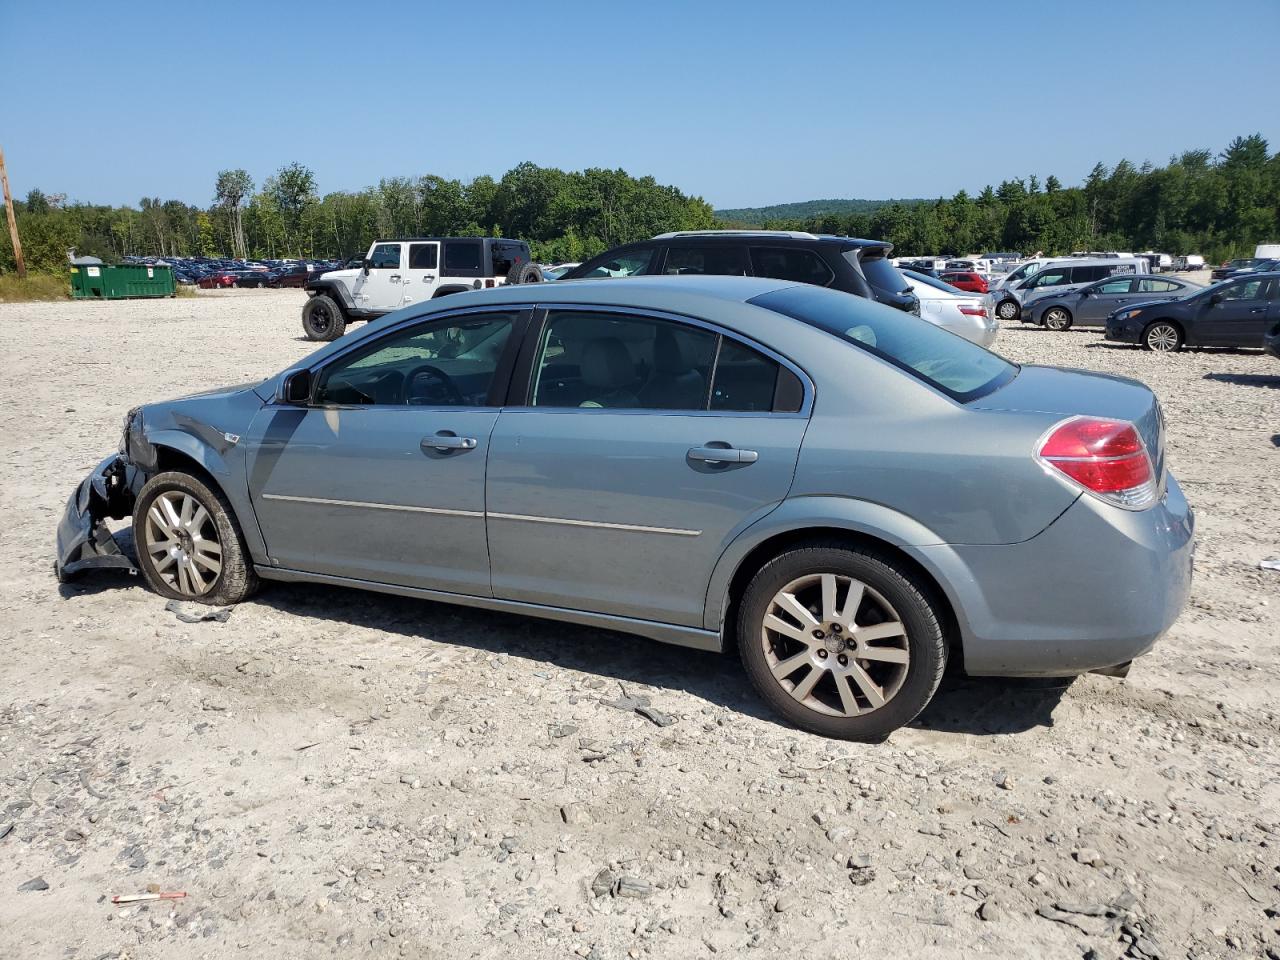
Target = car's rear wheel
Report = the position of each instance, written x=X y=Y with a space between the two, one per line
x=189 y=543
x=842 y=642
x=322 y=318
x=1007 y=310
x=1162 y=337
x=1057 y=318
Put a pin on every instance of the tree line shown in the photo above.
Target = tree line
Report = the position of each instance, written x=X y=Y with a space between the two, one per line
x=1219 y=206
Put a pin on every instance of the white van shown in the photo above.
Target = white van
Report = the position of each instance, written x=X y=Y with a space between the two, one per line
x=1267 y=251
x=1056 y=275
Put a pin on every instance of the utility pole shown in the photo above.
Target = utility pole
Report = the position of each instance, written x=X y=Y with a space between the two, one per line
x=13 y=221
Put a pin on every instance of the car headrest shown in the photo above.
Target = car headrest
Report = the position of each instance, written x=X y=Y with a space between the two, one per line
x=606 y=363
x=669 y=356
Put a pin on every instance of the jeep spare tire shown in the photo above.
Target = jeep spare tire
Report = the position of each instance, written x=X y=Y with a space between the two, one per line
x=525 y=273
x=322 y=318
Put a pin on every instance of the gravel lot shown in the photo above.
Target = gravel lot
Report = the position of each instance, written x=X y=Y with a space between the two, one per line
x=333 y=772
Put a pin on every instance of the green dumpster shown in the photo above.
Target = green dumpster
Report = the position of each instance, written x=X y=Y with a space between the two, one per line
x=108 y=282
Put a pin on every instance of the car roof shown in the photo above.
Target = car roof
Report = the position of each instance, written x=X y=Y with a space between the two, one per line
x=413 y=239
x=771 y=236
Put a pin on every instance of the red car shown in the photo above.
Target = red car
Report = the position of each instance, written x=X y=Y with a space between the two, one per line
x=963 y=280
x=223 y=278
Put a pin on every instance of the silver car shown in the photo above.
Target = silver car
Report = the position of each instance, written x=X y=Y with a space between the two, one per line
x=1091 y=305
x=846 y=495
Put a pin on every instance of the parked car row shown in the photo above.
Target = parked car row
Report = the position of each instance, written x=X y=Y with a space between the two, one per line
x=211 y=272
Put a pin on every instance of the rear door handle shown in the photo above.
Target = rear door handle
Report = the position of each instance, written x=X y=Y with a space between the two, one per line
x=711 y=454
x=448 y=441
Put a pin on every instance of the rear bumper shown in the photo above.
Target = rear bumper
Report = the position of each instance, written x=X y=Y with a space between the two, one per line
x=1096 y=589
x=83 y=541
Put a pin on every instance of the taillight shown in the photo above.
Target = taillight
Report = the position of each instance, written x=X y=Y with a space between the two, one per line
x=973 y=311
x=1106 y=457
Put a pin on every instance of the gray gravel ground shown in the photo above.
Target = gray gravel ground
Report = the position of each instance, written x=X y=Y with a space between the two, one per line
x=337 y=773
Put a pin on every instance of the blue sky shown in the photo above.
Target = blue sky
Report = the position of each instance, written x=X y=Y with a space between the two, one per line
x=741 y=103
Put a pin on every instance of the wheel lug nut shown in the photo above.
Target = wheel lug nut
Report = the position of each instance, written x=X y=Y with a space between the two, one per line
x=819 y=635
x=835 y=628
x=822 y=654
x=844 y=661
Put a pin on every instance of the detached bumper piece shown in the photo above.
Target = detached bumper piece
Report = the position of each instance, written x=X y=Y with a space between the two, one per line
x=83 y=541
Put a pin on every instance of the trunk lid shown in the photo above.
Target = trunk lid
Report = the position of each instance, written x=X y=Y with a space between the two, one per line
x=1067 y=393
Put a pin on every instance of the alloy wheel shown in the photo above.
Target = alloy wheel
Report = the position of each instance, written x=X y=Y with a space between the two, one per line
x=1162 y=337
x=181 y=541
x=1007 y=310
x=1056 y=319
x=835 y=645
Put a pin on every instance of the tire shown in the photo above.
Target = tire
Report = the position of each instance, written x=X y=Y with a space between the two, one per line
x=192 y=576
x=1008 y=310
x=889 y=590
x=323 y=319
x=1057 y=318
x=524 y=273
x=1162 y=337
x=235 y=284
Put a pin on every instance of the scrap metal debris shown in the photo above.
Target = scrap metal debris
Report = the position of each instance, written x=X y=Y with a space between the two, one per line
x=189 y=612
x=641 y=706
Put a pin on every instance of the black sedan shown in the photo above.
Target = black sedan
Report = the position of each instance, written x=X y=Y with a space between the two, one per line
x=251 y=278
x=1090 y=305
x=1235 y=313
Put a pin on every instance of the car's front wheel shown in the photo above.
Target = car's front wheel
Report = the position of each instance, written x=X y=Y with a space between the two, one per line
x=1057 y=318
x=842 y=642
x=189 y=543
x=322 y=318
x=1162 y=337
x=1007 y=310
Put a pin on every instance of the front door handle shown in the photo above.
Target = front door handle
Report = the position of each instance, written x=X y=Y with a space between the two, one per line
x=428 y=278
x=395 y=278
x=726 y=454
x=447 y=441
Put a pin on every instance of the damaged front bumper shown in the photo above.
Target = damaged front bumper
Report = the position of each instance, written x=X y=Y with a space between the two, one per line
x=84 y=542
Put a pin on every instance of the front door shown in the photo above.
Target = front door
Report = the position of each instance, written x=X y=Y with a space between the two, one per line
x=1103 y=299
x=646 y=446
x=381 y=476
x=378 y=288
x=1238 y=318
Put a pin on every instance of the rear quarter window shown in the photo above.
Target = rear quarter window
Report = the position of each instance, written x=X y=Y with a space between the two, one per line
x=882 y=274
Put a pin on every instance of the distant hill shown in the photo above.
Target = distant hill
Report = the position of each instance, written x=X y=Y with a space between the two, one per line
x=754 y=216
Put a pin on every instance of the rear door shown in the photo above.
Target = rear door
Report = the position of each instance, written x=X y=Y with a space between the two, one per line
x=462 y=263
x=646 y=444
x=422 y=274
x=1103 y=299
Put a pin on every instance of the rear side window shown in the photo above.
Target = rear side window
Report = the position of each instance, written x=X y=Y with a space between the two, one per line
x=1114 y=286
x=745 y=379
x=625 y=264
x=950 y=364
x=1149 y=285
x=1090 y=274
x=790 y=263
x=423 y=256
x=714 y=260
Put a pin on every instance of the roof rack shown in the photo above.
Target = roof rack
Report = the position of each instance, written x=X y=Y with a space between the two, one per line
x=791 y=234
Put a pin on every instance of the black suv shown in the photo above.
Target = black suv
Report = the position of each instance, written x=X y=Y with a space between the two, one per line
x=860 y=267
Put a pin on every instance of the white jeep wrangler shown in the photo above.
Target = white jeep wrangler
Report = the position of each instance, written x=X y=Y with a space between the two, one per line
x=397 y=273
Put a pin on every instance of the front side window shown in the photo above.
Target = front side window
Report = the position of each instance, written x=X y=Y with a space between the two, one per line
x=1246 y=290
x=626 y=264
x=790 y=263
x=950 y=364
x=712 y=260
x=462 y=258
x=449 y=362
x=385 y=256
x=1114 y=286
x=1054 y=277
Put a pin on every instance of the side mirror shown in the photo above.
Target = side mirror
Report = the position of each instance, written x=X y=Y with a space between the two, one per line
x=1086 y=292
x=295 y=388
x=1215 y=299
x=364 y=265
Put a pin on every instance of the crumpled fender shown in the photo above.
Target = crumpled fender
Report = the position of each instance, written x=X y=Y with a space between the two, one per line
x=83 y=540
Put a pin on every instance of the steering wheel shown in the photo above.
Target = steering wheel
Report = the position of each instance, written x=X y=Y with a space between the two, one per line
x=446 y=392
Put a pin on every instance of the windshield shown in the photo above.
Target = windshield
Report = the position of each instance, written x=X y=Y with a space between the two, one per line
x=880 y=273
x=949 y=363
